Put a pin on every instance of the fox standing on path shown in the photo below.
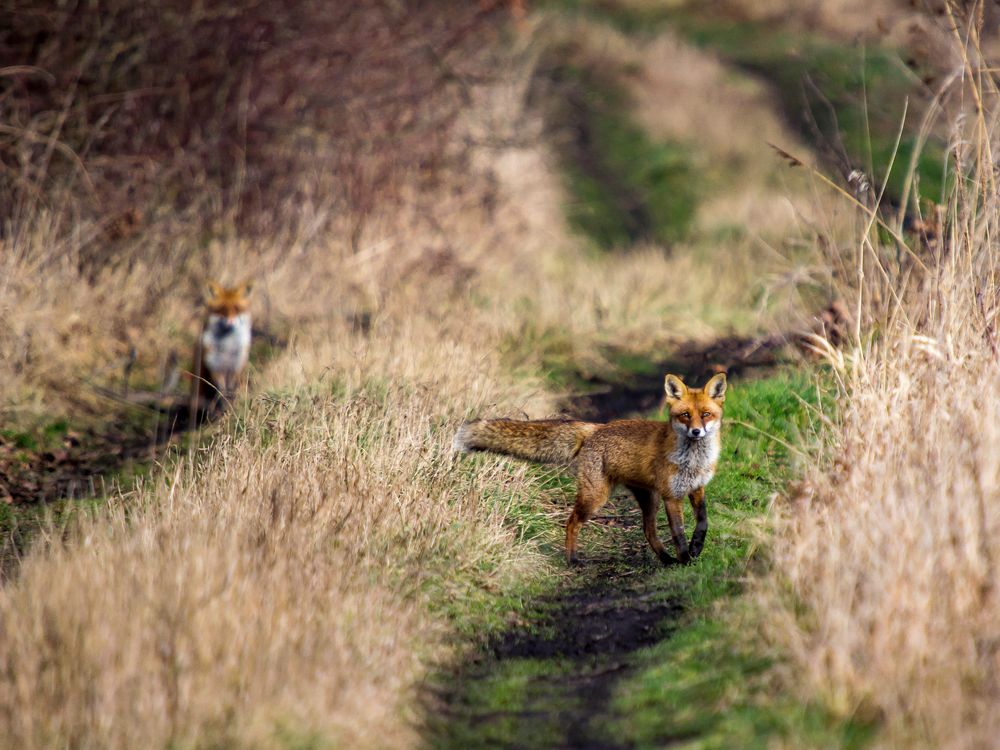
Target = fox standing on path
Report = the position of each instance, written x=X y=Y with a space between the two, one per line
x=223 y=346
x=670 y=459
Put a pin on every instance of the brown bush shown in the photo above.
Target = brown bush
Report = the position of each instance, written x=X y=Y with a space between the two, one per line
x=144 y=105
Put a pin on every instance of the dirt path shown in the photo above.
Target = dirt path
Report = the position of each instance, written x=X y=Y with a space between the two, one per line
x=550 y=679
x=77 y=463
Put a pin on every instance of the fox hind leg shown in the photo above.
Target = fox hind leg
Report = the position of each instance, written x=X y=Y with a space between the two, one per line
x=591 y=495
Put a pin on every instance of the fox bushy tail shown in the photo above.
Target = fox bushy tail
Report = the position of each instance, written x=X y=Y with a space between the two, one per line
x=545 y=440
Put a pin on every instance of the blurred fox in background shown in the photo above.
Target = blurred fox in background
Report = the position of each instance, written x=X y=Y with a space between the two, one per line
x=222 y=349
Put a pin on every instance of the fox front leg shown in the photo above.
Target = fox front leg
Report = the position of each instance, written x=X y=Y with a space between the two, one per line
x=676 y=518
x=648 y=502
x=701 y=521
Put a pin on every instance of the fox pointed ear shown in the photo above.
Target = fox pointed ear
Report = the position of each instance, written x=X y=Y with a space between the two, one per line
x=716 y=387
x=674 y=387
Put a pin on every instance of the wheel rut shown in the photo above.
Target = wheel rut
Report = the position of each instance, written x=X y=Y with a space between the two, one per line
x=574 y=644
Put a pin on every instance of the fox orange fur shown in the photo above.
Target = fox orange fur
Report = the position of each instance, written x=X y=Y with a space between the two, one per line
x=223 y=346
x=670 y=459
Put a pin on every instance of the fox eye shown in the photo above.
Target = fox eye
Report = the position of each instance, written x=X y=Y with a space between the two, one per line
x=706 y=415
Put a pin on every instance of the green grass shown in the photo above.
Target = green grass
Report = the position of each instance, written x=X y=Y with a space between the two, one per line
x=624 y=186
x=706 y=687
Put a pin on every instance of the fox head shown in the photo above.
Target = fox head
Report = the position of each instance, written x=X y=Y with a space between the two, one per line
x=228 y=310
x=696 y=413
x=227 y=302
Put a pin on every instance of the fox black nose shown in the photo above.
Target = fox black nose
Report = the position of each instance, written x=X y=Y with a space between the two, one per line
x=223 y=328
x=696 y=432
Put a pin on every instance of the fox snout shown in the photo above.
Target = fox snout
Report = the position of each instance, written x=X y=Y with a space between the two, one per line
x=696 y=433
x=223 y=327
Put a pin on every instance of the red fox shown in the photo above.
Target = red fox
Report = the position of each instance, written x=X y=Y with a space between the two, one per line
x=670 y=459
x=223 y=346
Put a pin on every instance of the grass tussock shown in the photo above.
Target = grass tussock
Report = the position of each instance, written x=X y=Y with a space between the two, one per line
x=884 y=588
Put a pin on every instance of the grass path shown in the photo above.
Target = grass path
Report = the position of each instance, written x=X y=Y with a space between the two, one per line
x=622 y=652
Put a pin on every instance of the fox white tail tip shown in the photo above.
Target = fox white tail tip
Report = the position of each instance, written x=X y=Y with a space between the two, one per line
x=461 y=442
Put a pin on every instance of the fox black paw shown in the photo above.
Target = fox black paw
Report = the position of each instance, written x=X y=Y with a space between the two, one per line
x=668 y=559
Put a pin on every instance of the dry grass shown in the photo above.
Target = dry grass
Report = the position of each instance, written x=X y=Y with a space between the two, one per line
x=884 y=587
x=731 y=118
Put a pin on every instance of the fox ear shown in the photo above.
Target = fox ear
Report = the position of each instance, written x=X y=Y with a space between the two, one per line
x=674 y=387
x=716 y=387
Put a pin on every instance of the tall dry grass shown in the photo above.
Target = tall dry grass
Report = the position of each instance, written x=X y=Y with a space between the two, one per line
x=884 y=586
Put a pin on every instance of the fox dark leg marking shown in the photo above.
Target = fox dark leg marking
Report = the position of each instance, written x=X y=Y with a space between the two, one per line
x=591 y=495
x=701 y=520
x=676 y=517
x=647 y=502
x=205 y=395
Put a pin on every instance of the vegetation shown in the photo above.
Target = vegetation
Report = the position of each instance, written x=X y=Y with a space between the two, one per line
x=418 y=192
x=624 y=188
x=882 y=584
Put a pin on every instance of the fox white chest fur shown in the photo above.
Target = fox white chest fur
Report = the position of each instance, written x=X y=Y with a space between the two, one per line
x=695 y=462
x=226 y=344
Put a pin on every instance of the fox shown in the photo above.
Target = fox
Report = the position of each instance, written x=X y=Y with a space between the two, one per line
x=222 y=349
x=668 y=460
